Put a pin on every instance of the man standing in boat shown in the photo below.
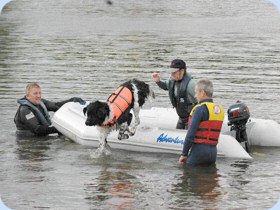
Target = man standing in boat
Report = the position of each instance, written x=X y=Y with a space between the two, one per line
x=32 y=117
x=181 y=90
x=205 y=124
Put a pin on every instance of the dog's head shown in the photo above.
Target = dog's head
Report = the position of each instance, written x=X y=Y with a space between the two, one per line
x=97 y=113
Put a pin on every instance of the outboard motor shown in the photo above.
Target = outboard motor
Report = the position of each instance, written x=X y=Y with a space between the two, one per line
x=238 y=116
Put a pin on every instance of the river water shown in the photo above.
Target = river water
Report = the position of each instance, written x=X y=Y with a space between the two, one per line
x=86 y=48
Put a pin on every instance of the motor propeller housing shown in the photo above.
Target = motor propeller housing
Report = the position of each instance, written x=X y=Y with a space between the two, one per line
x=238 y=114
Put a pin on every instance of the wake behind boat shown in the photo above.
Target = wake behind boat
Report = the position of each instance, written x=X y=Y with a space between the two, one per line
x=154 y=134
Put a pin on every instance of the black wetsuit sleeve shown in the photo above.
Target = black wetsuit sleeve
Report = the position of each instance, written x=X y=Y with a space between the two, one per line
x=54 y=106
x=31 y=123
x=162 y=85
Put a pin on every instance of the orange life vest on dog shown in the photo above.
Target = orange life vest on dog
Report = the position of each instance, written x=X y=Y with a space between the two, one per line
x=209 y=131
x=120 y=100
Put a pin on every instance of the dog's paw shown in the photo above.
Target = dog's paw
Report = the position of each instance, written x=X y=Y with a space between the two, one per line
x=123 y=136
x=131 y=131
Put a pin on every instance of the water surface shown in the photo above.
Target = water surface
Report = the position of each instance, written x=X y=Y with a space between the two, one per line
x=87 y=48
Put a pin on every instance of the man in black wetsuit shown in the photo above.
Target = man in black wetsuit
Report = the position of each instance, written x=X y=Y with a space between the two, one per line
x=181 y=90
x=32 y=117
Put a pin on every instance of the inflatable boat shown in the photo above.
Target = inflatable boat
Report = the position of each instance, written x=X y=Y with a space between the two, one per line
x=156 y=132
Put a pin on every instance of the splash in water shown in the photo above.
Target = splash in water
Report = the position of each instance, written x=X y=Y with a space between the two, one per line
x=101 y=152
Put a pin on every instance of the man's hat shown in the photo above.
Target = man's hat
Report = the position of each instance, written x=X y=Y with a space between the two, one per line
x=176 y=65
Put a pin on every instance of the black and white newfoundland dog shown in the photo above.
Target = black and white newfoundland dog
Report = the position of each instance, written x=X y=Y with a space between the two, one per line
x=115 y=112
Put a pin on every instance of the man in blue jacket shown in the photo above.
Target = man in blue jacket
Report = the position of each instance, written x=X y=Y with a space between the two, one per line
x=205 y=124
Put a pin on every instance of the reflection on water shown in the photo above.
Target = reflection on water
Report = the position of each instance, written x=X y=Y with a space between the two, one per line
x=239 y=172
x=201 y=182
x=31 y=153
x=33 y=148
x=86 y=48
x=113 y=187
x=241 y=165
